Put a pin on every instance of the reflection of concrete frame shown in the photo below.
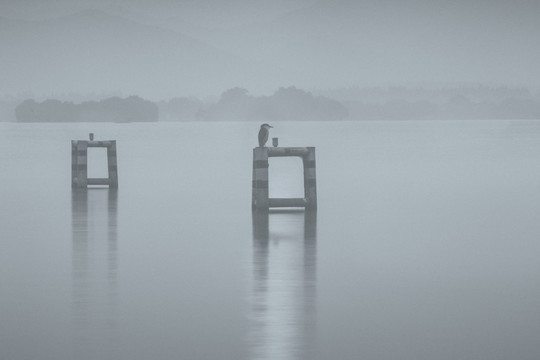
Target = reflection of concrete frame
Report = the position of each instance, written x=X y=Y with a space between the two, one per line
x=79 y=164
x=260 y=198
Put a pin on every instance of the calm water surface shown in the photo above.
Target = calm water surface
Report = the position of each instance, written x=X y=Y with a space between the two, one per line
x=425 y=244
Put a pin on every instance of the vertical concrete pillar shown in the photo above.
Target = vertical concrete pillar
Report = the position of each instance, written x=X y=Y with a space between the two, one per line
x=79 y=166
x=112 y=165
x=310 y=178
x=260 y=178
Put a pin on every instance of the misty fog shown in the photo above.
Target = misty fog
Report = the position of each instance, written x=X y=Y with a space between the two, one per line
x=424 y=241
x=162 y=49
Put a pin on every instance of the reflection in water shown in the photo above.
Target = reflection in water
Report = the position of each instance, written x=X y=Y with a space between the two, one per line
x=283 y=295
x=94 y=271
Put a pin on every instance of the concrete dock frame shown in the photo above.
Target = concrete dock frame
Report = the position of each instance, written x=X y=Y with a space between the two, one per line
x=79 y=163
x=260 y=198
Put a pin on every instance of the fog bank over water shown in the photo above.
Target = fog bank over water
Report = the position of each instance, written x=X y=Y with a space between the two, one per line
x=162 y=49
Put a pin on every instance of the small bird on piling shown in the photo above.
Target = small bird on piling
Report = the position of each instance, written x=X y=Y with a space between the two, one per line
x=263 y=134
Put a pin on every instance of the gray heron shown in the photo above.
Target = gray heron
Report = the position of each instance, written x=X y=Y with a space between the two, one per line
x=263 y=134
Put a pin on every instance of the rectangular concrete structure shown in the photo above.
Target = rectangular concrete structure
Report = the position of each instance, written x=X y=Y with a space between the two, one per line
x=79 y=164
x=260 y=198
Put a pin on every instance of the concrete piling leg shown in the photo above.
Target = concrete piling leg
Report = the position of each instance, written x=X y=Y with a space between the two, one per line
x=79 y=166
x=112 y=165
x=310 y=178
x=260 y=178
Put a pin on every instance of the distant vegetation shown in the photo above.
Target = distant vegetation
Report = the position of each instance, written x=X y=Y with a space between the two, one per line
x=237 y=105
x=452 y=103
x=457 y=108
x=293 y=104
x=114 y=109
x=396 y=103
x=285 y=104
x=180 y=109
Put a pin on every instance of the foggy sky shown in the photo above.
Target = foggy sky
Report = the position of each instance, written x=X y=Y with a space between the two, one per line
x=161 y=49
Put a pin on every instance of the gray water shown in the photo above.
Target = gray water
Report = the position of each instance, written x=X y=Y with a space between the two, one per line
x=424 y=246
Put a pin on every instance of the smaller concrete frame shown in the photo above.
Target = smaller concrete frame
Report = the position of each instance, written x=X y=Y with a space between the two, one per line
x=260 y=199
x=79 y=164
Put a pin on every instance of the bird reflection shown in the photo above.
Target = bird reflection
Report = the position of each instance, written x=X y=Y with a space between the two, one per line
x=283 y=293
x=94 y=270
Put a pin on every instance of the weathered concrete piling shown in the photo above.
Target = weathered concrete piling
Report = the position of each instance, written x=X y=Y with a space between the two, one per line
x=260 y=198
x=79 y=163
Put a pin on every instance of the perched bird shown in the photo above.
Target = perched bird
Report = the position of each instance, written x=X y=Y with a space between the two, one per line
x=263 y=134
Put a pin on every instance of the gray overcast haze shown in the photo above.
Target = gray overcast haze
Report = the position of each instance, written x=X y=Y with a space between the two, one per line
x=425 y=116
x=160 y=49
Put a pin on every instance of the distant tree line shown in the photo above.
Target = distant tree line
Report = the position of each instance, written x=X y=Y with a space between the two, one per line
x=452 y=103
x=180 y=109
x=434 y=94
x=462 y=103
x=114 y=109
x=285 y=104
x=294 y=104
x=457 y=108
x=237 y=105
